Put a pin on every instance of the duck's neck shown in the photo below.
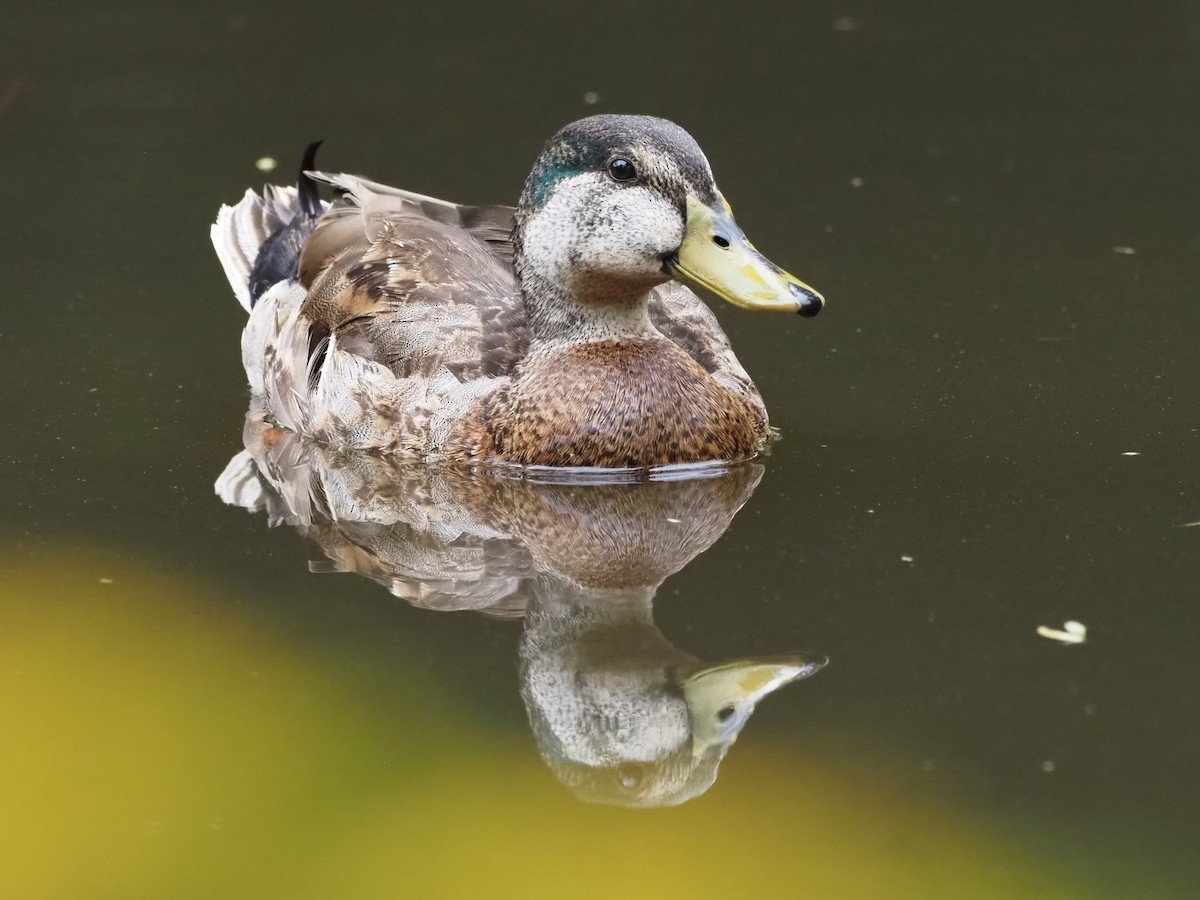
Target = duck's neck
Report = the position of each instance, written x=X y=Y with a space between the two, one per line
x=570 y=294
x=559 y=597
x=559 y=315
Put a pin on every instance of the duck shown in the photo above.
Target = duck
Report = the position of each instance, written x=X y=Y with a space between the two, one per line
x=564 y=333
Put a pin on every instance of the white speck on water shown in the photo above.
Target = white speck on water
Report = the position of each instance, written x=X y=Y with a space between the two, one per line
x=106 y=581
x=265 y=164
x=906 y=558
x=1072 y=632
x=1131 y=453
x=591 y=98
x=1048 y=766
x=1124 y=251
x=856 y=182
x=871 y=511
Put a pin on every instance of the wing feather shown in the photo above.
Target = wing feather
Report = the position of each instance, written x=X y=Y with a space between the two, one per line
x=416 y=283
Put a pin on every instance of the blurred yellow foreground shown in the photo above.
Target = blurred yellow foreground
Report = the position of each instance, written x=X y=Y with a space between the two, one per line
x=155 y=745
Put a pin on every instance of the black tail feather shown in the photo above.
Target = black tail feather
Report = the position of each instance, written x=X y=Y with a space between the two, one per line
x=310 y=199
x=279 y=256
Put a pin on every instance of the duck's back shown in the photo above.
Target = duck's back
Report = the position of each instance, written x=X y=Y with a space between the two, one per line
x=419 y=285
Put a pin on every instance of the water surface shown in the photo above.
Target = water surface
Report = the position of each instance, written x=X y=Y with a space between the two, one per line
x=990 y=428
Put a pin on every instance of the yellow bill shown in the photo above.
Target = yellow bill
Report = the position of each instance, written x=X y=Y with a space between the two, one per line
x=715 y=255
x=721 y=698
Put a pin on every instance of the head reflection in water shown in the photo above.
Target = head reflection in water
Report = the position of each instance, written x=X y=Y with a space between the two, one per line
x=623 y=717
x=620 y=715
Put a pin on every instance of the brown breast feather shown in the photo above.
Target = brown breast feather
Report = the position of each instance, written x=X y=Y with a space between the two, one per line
x=632 y=403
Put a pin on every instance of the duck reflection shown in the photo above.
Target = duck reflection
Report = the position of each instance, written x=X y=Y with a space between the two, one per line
x=620 y=714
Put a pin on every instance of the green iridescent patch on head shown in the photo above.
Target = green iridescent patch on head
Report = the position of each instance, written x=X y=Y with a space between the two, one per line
x=564 y=156
x=544 y=179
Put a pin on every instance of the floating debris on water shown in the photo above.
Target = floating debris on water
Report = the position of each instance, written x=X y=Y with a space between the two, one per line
x=1124 y=251
x=1072 y=632
x=591 y=98
x=1048 y=766
x=265 y=164
x=856 y=182
x=1131 y=452
x=904 y=557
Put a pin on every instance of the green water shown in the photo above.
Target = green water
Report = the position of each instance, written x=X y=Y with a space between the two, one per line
x=990 y=428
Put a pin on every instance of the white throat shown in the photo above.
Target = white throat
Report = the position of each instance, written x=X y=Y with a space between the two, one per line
x=589 y=258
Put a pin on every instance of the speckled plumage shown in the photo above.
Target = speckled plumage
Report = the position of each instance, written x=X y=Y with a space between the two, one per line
x=548 y=334
x=634 y=402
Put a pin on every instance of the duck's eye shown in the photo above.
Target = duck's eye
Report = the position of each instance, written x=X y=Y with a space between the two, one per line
x=622 y=169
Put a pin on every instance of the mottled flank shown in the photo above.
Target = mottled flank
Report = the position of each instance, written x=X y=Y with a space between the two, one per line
x=548 y=334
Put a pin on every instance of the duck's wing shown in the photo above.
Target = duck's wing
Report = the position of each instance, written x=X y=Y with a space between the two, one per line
x=682 y=317
x=418 y=284
x=490 y=225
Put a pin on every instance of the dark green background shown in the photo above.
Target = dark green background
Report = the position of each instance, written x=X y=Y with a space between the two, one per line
x=984 y=360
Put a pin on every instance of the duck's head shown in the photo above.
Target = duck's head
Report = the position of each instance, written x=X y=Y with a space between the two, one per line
x=616 y=205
